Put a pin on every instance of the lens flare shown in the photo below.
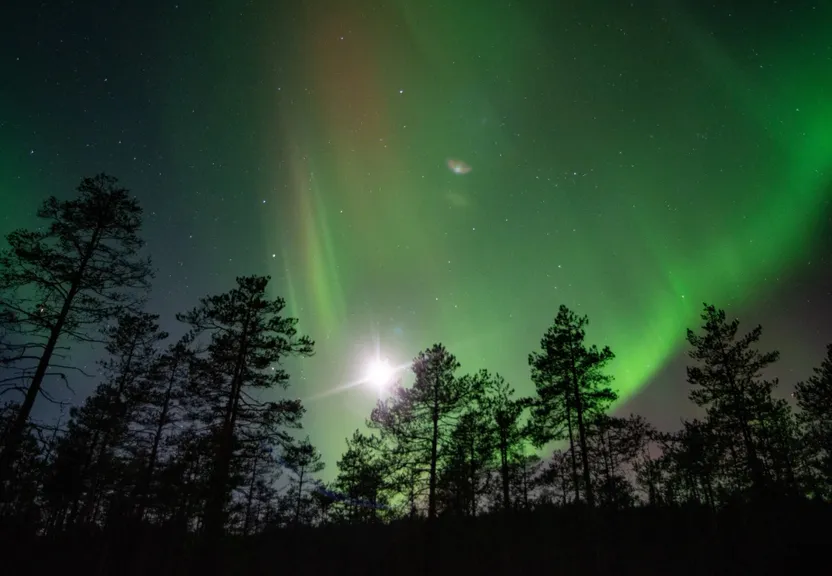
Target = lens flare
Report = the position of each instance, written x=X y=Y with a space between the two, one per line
x=458 y=166
x=380 y=373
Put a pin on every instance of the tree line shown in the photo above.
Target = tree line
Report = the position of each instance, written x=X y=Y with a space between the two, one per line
x=200 y=435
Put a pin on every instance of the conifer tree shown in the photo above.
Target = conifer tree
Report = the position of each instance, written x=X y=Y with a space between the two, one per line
x=616 y=444
x=487 y=430
x=727 y=382
x=694 y=458
x=249 y=341
x=362 y=472
x=79 y=269
x=509 y=435
x=162 y=404
x=304 y=461
x=571 y=387
x=556 y=478
x=467 y=457
x=419 y=419
x=261 y=473
x=527 y=476
x=92 y=458
x=814 y=398
x=24 y=497
x=70 y=480
x=132 y=345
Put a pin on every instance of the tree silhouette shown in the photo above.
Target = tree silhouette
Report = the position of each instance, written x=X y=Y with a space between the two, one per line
x=527 y=475
x=569 y=380
x=186 y=454
x=506 y=411
x=615 y=444
x=466 y=456
x=420 y=418
x=556 y=478
x=92 y=459
x=133 y=347
x=162 y=402
x=728 y=384
x=693 y=458
x=261 y=472
x=24 y=494
x=642 y=444
x=249 y=340
x=362 y=477
x=81 y=268
x=304 y=461
x=814 y=398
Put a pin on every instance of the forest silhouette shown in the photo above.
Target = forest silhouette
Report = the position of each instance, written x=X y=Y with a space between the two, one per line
x=189 y=457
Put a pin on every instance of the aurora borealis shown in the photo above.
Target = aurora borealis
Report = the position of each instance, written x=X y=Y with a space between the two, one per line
x=629 y=159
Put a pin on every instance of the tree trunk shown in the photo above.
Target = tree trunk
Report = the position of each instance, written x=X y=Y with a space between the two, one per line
x=14 y=434
x=434 y=444
x=504 y=472
x=111 y=423
x=140 y=494
x=300 y=496
x=754 y=465
x=590 y=498
x=216 y=499
x=250 y=498
x=473 y=481
x=214 y=520
x=572 y=457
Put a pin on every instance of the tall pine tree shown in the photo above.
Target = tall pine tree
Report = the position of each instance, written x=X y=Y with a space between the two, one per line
x=571 y=387
x=79 y=269
x=509 y=434
x=728 y=383
x=250 y=340
x=419 y=419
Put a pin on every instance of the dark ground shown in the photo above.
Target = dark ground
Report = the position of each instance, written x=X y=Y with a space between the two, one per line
x=781 y=538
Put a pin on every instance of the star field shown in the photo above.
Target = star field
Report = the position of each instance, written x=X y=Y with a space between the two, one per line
x=411 y=173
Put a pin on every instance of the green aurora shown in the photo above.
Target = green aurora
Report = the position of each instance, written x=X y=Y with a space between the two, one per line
x=630 y=160
x=629 y=171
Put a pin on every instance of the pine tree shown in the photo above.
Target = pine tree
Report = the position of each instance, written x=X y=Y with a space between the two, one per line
x=777 y=431
x=728 y=384
x=24 y=497
x=467 y=456
x=814 y=398
x=571 y=387
x=249 y=341
x=419 y=419
x=506 y=412
x=641 y=440
x=693 y=457
x=527 y=475
x=181 y=488
x=132 y=345
x=304 y=461
x=78 y=270
x=261 y=473
x=162 y=404
x=616 y=444
x=362 y=472
x=70 y=481
x=556 y=478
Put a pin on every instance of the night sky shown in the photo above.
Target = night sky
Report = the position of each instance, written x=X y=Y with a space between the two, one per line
x=628 y=159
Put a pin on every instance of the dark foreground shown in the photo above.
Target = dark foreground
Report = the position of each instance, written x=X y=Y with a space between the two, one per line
x=786 y=538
